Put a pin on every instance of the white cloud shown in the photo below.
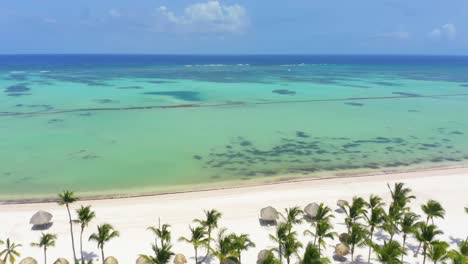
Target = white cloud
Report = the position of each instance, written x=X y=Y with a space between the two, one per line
x=114 y=12
x=447 y=31
x=206 y=17
x=393 y=35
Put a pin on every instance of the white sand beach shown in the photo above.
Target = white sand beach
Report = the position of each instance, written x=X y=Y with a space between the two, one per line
x=240 y=208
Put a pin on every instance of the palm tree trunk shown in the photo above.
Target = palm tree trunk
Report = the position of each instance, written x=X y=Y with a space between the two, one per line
x=196 y=255
x=71 y=233
x=403 y=253
x=352 y=254
x=288 y=260
x=280 y=254
x=370 y=246
x=239 y=258
x=81 y=245
x=424 y=254
x=102 y=254
x=45 y=255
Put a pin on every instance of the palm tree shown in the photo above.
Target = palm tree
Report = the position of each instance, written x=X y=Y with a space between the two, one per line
x=281 y=233
x=162 y=255
x=323 y=229
x=241 y=243
x=400 y=195
x=374 y=216
x=66 y=198
x=356 y=238
x=10 y=252
x=46 y=241
x=312 y=256
x=389 y=252
x=105 y=233
x=426 y=234
x=291 y=246
x=224 y=248
x=210 y=223
x=293 y=216
x=324 y=214
x=408 y=225
x=438 y=251
x=354 y=211
x=433 y=209
x=459 y=257
x=162 y=233
x=391 y=220
x=85 y=216
x=198 y=238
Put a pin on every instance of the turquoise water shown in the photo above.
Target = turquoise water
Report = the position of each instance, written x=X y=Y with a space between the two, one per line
x=113 y=125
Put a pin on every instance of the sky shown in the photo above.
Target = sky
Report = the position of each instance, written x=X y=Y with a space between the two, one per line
x=235 y=26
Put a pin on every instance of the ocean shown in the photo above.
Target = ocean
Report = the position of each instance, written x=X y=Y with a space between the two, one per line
x=116 y=125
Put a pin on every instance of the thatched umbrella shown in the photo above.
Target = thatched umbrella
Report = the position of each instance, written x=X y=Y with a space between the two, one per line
x=28 y=260
x=180 y=259
x=342 y=249
x=111 y=260
x=41 y=218
x=263 y=255
x=311 y=210
x=61 y=261
x=341 y=203
x=269 y=214
x=343 y=237
x=142 y=260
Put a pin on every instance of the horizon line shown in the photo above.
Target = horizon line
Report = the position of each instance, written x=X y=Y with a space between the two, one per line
x=240 y=54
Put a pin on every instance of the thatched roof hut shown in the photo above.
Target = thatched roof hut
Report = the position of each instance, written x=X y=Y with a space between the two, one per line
x=28 y=260
x=180 y=259
x=61 y=261
x=111 y=260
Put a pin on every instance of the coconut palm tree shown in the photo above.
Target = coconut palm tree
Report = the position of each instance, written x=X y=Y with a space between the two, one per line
x=241 y=243
x=291 y=246
x=105 y=233
x=210 y=223
x=438 y=251
x=45 y=241
x=198 y=238
x=461 y=256
x=293 y=216
x=354 y=211
x=312 y=256
x=66 y=198
x=163 y=233
x=356 y=238
x=323 y=230
x=389 y=252
x=224 y=248
x=281 y=233
x=401 y=195
x=408 y=225
x=426 y=234
x=162 y=255
x=374 y=216
x=433 y=209
x=324 y=213
x=10 y=252
x=85 y=216
x=391 y=220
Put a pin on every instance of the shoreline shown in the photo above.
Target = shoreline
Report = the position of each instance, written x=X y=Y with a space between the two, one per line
x=272 y=181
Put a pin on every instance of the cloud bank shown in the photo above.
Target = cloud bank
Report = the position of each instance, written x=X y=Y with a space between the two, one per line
x=206 y=17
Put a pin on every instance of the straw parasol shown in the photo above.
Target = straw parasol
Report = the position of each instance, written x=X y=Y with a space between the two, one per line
x=61 y=261
x=180 y=259
x=28 y=260
x=41 y=218
x=263 y=255
x=142 y=260
x=269 y=214
x=343 y=237
x=342 y=249
x=311 y=210
x=111 y=260
x=341 y=203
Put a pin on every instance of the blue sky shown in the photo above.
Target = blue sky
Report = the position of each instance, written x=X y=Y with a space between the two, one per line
x=235 y=26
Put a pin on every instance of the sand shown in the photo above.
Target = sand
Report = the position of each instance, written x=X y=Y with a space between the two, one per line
x=240 y=208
